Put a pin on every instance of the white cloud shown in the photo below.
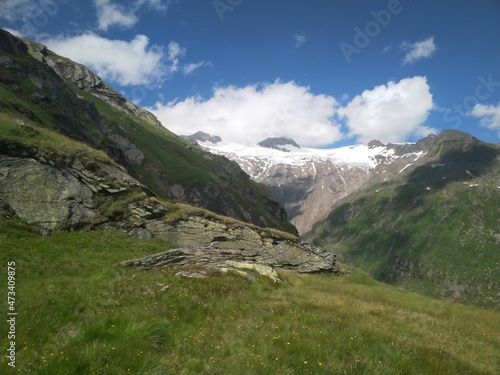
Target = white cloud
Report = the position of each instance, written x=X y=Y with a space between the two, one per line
x=489 y=115
x=390 y=113
x=418 y=50
x=300 y=39
x=190 y=68
x=134 y=62
x=110 y=13
x=175 y=53
x=250 y=114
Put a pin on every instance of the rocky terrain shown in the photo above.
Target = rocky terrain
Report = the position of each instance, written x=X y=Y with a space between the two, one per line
x=99 y=195
x=75 y=155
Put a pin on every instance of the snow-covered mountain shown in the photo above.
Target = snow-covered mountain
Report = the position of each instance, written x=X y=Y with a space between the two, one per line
x=309 y=181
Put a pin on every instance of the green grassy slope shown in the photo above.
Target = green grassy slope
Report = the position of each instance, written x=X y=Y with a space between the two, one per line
x=79 y=312
x=435 y=230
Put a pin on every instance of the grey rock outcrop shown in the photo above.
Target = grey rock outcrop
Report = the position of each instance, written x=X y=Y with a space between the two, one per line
x=212 y=244
x=57 y=196
x=48 y=197
x=207 y=257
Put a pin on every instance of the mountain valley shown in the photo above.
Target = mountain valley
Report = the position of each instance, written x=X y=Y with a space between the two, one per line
x=423 y=216
x=136 y=251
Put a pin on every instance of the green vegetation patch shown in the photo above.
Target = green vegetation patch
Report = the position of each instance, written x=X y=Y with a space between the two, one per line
x=435 y=232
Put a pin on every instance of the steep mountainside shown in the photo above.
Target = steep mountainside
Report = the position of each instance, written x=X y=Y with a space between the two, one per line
x=39 y=88
x=434 y=228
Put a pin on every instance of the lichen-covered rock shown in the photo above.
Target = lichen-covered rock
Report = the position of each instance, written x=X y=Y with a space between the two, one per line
x=207 y=242
x=39 y=194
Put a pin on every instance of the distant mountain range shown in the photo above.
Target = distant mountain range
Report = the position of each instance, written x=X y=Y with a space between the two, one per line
x=309 y=181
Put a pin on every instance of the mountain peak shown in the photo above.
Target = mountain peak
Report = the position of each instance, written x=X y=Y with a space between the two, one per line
x=202 y=137
x=279 y=143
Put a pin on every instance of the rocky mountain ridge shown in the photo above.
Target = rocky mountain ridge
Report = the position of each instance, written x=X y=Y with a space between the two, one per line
x=279 y=143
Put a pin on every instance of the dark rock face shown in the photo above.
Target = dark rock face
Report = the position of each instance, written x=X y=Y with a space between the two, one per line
x=132 y=153
x=202 y=137
x=278 y=143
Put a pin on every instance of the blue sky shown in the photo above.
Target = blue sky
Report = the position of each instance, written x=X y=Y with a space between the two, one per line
x=324 y=72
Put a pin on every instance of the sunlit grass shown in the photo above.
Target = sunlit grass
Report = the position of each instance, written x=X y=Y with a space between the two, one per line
x=79 y=312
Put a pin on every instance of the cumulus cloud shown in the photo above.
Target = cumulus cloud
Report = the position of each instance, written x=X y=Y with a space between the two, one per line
x=133 y=62
x=418 y=50
x=111 y=13
x=390 y=113
x=248 y=115
x=489 y=116
x=300 y=39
